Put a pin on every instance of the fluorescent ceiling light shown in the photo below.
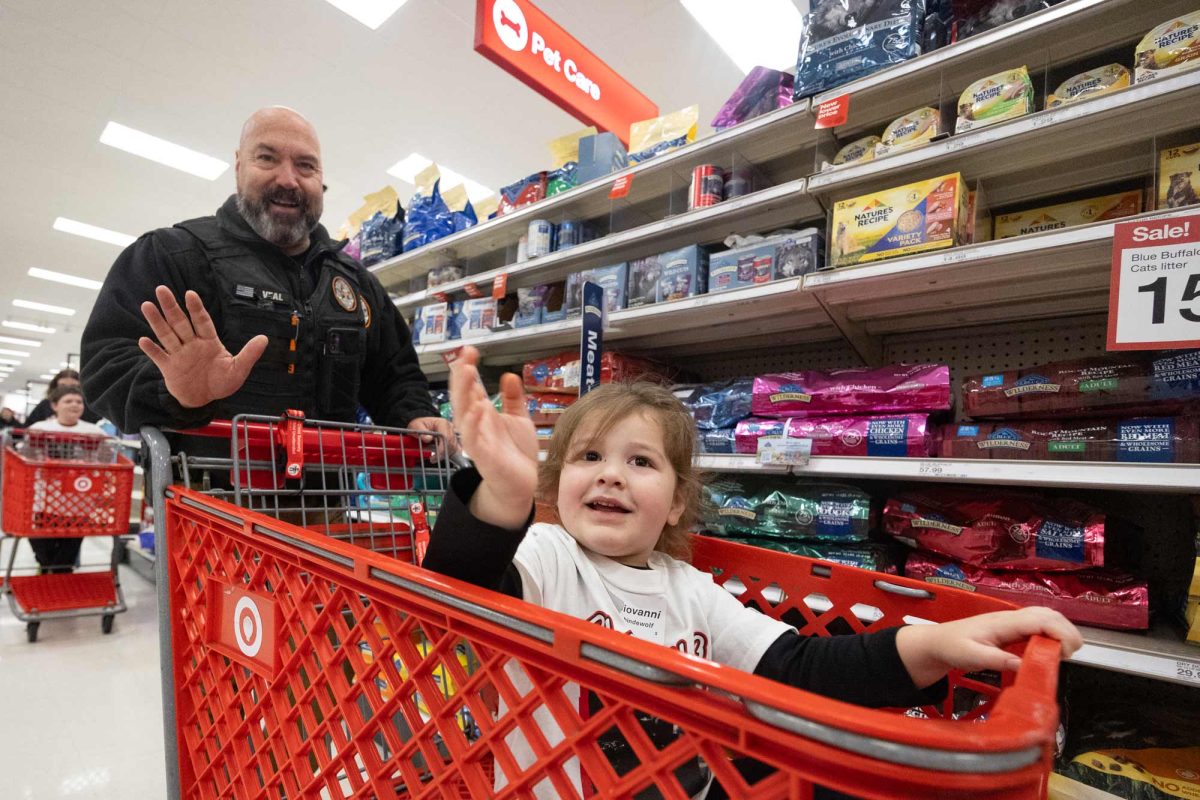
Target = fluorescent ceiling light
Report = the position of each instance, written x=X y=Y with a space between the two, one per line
x=10 y=361
x=47 y=376
x=26 y=326
x=49 y=309
x=754 y=33
x=5 y=352
x=371 y=13
x=15 y=340
x=92 y=232
x=407 y=169
x=162 y=151
x=62 y=277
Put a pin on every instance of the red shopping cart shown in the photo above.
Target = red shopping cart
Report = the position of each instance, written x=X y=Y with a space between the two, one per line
x=59 y=486
x=296 y=665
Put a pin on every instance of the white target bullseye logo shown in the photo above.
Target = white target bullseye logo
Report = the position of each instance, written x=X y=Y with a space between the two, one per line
x=83 y=484
x=247 y=627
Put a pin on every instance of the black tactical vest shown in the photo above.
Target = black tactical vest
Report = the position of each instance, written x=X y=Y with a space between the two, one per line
x=316 y=343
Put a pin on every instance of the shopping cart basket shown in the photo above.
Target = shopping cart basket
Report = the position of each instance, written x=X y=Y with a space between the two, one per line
x=298 y=666
x=60 y=486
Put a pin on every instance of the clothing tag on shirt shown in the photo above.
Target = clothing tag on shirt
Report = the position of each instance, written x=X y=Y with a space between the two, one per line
x=643 y=615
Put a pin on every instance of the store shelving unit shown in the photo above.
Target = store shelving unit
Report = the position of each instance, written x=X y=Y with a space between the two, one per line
x=913 y=308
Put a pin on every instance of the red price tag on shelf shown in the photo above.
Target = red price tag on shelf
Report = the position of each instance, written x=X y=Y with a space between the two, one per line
x=472 y=290
x=620 y=187
x=441 y=297
x=1154 y=294
x=833 y=113
x=500 y=286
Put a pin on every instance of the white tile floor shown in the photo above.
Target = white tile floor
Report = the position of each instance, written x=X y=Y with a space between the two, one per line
x=80 y=712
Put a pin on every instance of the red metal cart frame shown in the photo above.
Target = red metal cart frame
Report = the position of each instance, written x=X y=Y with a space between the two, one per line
x=64 y=485
x=297 y=665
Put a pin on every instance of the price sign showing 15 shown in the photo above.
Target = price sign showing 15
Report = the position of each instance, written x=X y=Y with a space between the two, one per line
x=1158 y=288
x=1154 y=291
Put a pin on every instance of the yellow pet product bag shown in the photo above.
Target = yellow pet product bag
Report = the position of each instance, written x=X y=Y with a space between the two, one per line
x=1169 y=49
x=651 y=137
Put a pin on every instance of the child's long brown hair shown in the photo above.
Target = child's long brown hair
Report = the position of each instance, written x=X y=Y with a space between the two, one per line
x=607 y=406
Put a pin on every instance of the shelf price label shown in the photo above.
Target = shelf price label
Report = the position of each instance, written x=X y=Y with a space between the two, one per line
x=1154 y=294
x=784 y=452
x=833 y=113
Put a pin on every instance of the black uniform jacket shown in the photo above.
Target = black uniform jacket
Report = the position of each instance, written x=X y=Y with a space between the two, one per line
x=335 y=339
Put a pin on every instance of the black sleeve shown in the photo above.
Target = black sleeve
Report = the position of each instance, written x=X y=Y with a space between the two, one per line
x=464 y=547
x=40 y=412
x=865 y=669
x=394 y=390
x=119 y=381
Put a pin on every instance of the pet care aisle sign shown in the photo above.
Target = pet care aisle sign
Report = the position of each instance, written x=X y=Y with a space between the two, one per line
x=520 y=39
x=1154 y=296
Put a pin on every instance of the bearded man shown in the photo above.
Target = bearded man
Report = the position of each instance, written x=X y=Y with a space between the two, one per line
x=277 y=316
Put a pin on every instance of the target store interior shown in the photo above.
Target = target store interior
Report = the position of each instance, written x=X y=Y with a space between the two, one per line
x=772 y=400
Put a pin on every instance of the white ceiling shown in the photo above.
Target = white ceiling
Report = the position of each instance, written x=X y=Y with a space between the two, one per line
x=191 y=72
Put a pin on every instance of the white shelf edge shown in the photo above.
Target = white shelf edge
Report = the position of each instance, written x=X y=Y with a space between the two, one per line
x=1030 y=245
x=666 y=161
x=1078 y=474
x=945 y=56
x=713 y=215
x=1161 y=654
x=836 y=177
x=626 y=315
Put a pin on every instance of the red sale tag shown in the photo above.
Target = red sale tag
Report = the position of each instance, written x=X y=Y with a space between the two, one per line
x=1154 y=294
x=833 y=113
x=500 y=286
x=620 y=187
x=472 y=290
x=441 y=297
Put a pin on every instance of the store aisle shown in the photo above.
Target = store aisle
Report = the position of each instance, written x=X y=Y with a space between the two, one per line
x=81 y=712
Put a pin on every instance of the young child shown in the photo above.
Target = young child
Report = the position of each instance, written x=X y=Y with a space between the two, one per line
x=56 y=553
x=620 y=473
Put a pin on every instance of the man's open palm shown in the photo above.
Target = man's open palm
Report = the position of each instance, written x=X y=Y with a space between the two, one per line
x=195 y=365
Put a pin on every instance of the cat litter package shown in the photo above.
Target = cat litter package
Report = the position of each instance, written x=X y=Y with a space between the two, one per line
x=996 y=98
x=854 y=390
x=1171 y=48
x=1155 y=383
x=652 y=137
x=911 y=130
x=1092 y=83
x=893 y=436
x=846 y=39
x=762 y=90
x=1104 y=598
x=999 y=530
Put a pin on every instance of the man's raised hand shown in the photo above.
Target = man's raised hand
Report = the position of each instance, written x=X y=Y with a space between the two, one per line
x=194 y=363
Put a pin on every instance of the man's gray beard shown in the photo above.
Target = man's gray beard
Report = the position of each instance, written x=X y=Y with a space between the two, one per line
x=280 y=234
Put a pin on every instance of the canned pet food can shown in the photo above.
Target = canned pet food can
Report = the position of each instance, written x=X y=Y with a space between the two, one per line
x=570 y=233
x=708 y=184
x=541 y=238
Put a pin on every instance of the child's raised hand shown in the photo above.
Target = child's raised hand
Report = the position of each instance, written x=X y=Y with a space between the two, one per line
x=975 y=643
x=503 y=445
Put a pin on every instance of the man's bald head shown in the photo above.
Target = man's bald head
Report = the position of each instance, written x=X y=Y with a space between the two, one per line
x=278 y=118
x=278 y=168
